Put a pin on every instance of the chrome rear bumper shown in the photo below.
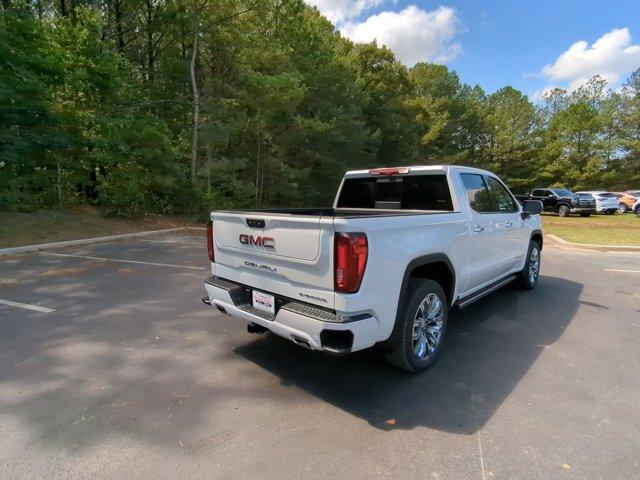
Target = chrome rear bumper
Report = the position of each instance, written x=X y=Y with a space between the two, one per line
x=309 y=326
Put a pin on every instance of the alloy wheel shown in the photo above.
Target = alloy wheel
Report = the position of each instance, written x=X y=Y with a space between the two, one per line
x=534 y=265
x=427 y=326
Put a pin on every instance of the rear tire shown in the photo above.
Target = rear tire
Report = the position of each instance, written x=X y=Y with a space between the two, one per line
x=528 y=277
x=422 y=327
x=564 y=211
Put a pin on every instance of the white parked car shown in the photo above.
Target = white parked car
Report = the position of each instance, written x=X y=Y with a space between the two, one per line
x=636 y=207
x=398 y=250
x=606 y=202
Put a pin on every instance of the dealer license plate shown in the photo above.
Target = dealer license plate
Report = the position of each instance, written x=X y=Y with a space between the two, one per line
x=264 y=301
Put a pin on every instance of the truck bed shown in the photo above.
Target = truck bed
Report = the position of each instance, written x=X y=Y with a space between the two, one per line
x=336 y=212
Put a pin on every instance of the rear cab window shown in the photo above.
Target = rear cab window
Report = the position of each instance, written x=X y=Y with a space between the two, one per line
x=407 y=192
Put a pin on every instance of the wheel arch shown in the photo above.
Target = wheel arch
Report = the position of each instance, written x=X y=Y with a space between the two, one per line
x=536 y=235
x=435 y=266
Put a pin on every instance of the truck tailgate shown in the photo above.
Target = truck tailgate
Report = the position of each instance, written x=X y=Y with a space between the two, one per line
x=289 y=255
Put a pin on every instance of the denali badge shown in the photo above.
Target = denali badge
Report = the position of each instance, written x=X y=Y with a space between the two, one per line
x=260 y=266
x=266 y=242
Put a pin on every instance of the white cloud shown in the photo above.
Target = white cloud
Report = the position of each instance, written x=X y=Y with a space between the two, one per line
x=413 y=34
x=338 y=11
x=611 y=56
x=543 y=92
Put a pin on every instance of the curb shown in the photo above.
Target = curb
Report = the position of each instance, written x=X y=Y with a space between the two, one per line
x=590 y=247
x=84 y=241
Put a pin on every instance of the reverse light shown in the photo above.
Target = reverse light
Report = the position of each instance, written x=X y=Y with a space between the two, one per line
x=349 y=260
x=210 y=241
x=388 y=172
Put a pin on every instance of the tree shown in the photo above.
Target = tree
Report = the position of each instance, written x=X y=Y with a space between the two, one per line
x=176 y=107
x=629 y=118
x=512 y=141
x=447 y=114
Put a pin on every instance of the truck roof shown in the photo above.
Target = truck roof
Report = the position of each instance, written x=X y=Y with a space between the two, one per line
x=413 y=169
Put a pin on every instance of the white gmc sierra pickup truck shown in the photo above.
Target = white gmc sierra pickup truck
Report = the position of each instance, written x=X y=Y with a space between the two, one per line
x=398 y=250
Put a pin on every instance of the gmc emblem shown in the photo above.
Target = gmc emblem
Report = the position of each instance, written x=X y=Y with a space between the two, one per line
x=265 y=242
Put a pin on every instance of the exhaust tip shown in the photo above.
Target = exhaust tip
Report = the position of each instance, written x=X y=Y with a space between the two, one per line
x=301 y=341
x=221 y=309
x=255 y=328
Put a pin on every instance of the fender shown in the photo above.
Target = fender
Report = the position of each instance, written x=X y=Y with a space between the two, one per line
x=413 y=264
x=534 y=232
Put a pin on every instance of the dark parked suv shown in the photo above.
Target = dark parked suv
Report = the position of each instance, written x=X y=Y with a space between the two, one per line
x=561 y=201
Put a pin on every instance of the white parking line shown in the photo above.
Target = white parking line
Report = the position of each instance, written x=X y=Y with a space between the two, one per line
x=122 y=261
x=27 y=306
x=201 y=244
x=623 y=271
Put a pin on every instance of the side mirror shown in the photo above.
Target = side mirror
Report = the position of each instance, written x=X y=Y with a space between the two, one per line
x=533 y=207
x=551 y=195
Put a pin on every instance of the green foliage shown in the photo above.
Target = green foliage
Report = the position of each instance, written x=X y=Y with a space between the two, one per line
x=97 y=106
x=124 y=192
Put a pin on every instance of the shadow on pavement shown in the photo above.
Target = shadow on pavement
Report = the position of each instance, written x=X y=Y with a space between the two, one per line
x=490 y=346
x=121 y=355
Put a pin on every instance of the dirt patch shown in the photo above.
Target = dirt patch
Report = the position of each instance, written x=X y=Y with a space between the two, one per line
x=61 y=272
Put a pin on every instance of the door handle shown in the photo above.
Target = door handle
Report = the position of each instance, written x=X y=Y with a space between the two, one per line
x=508 y=224
x=478 y=229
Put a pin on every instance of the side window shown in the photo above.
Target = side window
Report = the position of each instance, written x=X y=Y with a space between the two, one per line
x=539 y=193
x=502 y=200
x=477 y=192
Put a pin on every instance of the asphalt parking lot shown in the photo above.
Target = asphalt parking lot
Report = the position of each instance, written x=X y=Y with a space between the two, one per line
x=121 y=372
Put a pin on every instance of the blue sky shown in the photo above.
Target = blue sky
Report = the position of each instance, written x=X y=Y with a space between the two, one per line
x=532 y=46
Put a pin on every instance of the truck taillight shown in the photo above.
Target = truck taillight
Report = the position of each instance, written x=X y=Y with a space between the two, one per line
x=210 y=241
x=350 y=261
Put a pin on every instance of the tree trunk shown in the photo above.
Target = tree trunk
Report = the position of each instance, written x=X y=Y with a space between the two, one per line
x=150 y=52
x=209 y=161
x=59 y=184
x=63 y=8
x=261 y=184
x=117 y=12
x=257 y=172
x=196 y=100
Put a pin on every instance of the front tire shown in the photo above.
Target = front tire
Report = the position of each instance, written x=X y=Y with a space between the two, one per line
x=564 y=210
x=623 y=208
x=528 y=277
x=422 y=327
